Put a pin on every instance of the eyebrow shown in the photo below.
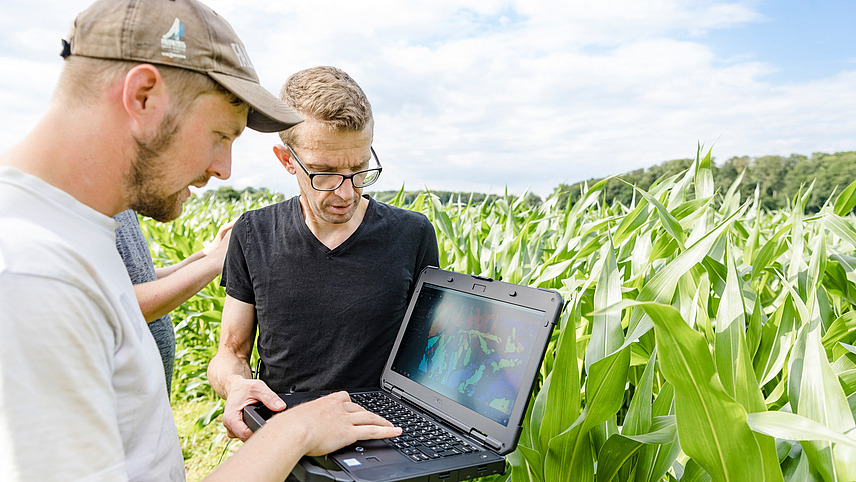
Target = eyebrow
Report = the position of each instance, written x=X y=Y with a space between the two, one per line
x=316 y=168
x=236 y=131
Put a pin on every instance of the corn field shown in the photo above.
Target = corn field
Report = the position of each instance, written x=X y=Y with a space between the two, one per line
x=702 y=338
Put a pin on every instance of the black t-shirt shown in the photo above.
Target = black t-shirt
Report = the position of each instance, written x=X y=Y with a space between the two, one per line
x=326 y=318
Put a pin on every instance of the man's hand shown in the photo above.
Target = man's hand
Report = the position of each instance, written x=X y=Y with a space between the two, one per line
x=243 y=392
x=312 y=428
x=330 y=423
x=220 y=244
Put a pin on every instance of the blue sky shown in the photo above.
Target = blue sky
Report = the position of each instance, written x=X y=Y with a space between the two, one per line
x=803 y=40
x=490 y=95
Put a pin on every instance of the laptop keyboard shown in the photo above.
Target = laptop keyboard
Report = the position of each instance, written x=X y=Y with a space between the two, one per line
x=421 y=439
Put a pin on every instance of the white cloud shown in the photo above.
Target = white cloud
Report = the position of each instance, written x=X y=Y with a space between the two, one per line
x=518 y=94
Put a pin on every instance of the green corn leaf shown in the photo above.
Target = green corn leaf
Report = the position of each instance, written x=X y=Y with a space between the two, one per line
x=846 y=200
x=617 y=452
x=539 y=407
x=638 y=418
x=786 y=425
x=551 y=272
x=607 y=334
x=704 y=175
x=843 y=328
x=631 y=223
x=653 y=461
x=799 y=470
x=711 y=425
x=534 y=462
x=569 y=454
x=756 y=322
x=731 y=354
x=815 y=393
x=770 y=251
x=693 y=472
x=563 y=397
x=845 y=369
x=661 y=287
x=519 y=467
x=619 y=449
x=777 y=337
x=732 y=198
x=672 y=226
x=605 y=387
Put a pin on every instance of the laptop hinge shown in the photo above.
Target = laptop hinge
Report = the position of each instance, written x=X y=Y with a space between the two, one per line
x=386 y=385
x=485 y=439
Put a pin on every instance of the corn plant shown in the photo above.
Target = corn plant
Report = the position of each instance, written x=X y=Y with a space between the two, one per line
x=197 y=322
x=703 y=338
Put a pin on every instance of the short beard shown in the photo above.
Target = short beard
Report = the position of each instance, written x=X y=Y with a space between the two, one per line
x=146 y=177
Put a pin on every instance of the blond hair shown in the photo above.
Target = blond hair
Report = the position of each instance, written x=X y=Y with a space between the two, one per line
x=328 y=95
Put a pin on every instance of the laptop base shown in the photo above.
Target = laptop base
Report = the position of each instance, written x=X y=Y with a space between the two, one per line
x=322 y=469
x=374 y=460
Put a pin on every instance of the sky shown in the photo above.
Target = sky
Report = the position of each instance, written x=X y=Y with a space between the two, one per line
x=519 y=96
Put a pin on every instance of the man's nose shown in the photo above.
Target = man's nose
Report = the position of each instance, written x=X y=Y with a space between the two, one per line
x=346 y=190
x=221 y=168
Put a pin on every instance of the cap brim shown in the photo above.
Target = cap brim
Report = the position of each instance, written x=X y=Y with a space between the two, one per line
x=267 y=113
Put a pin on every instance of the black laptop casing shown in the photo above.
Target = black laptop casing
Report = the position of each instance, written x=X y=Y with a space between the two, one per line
x=495 y=433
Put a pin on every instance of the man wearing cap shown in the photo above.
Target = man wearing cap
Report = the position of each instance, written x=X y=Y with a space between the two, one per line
x=325 y=277
x=150 y=99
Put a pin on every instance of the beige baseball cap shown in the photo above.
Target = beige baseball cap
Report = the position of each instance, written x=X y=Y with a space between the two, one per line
x=178 y=33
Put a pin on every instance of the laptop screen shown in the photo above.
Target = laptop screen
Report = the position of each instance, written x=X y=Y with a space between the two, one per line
x=471 y=349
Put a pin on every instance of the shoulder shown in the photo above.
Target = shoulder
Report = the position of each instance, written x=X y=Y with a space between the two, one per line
x=398 y=215
x=266 y=217
x=131 y=242
x=127 y=218
x=267 y=213
x=27 y=247
x=35 y=259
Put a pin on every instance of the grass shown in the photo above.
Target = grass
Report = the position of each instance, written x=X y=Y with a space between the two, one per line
x=203 y=448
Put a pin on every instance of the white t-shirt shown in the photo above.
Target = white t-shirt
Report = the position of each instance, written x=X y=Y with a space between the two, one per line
x=82 y=392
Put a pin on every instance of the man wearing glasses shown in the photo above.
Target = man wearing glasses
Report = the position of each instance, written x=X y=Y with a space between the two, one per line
x=326 y=275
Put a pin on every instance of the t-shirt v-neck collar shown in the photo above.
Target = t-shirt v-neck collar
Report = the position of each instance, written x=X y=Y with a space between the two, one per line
x=305 y=231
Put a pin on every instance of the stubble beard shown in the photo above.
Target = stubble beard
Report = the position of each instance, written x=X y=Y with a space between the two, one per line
x=144 y=183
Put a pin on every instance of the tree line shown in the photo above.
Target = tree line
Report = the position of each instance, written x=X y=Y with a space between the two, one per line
x=779 y=179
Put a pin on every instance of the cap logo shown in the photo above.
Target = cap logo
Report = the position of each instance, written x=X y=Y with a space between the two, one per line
x=172 y=42
x=243 y=58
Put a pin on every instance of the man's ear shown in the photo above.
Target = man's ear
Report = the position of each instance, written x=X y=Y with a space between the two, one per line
x=284 y=156
x=144 y=96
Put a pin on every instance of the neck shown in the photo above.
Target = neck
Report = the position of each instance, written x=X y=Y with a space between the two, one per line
x=77 y=150
x=333 y=235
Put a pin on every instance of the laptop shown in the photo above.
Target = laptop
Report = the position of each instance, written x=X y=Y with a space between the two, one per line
x=458 y=381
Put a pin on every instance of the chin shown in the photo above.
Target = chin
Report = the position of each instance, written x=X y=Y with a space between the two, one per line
x=163 y=209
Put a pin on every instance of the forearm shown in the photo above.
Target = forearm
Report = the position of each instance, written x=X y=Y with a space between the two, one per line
x=268 y=455
x=159 y=297
x=225 y=367
x=168 y=270
x=313 y=428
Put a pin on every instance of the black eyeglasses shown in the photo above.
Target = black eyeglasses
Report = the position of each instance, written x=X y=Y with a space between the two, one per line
x=330 y=181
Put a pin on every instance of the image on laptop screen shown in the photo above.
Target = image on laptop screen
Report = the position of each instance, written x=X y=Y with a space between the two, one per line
x=468 y=348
